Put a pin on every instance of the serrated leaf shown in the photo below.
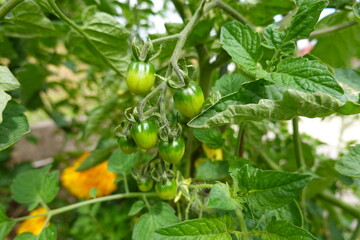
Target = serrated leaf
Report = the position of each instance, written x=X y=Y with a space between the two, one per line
x=242 y=44
x=303 y=75
x=14 y=124
x=221 y=197
x=305 y=19
x=268 y=189
x=260 y=100
x=275 y=40
x=7 y=83
x=211 y=137
x=349 y=164
x=199 y=229
x=229 y=83
x=99 y=155
x=136 y=208
x=35 y=186
x=108 y=44
x=160 y=215
x=285 y=231
x=28 y=20
x=120 y=162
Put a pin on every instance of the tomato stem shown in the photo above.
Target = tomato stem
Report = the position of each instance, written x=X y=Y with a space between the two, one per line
x=242 y=223
x=8 y=6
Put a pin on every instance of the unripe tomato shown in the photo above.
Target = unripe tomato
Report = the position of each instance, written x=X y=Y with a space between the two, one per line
x=145 y=184
x=126 y=144
x=167 y=190
x=172 y=151
x=189 y=100
x=140 y=77
x=145 y=134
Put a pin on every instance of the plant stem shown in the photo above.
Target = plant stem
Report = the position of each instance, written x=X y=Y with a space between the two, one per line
x=297 y=144
x=166 y=38
x=232 y=12
x=7 y=7
x=126 y=185
x=56 y=211
x=354 y=211
x=83 y=34
x=242 y=223
x=356 y=233
x=329 y=30
x=239 y=150
x=270 y=162
x=187 y=157
x=201 y=186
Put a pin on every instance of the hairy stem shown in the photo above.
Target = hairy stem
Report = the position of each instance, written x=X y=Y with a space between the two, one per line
x=297 y=144
x=56 y=211
x=7 y=7
x=187 y=157
x=232 y=12
x=328 y=197
x=242 y=223
x=329 y=30
x=356 y=232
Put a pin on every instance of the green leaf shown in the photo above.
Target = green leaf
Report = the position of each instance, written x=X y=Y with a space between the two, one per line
x=268 y=189
x=120 y=162
x=275 y=40
x=99 y=114
x=99 y=155
x=303 y=75
x=6 y=224
x=14 y=125
x=356 y=9
x=109 y=41
x=242 y=44
x=136 y=208
x=7 y=83
x=209 y=171
x=35 y=186
x=160 y=215
x=339 y=48
x=229 y=83
x=305 y=19
x=28 y=20
x=221 y=197
x=261 y=100
x=199 y=229
x=285 y=231
x=349 y=164
x=211 y=137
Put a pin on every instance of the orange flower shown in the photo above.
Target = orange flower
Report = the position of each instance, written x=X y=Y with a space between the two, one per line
x=33 y=225
x=80 y=183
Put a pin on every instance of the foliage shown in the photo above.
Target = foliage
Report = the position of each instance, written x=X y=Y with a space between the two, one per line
x=243 y=174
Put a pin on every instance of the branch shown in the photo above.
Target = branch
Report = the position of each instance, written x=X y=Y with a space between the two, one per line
x=7 y=7
x=297 y=144
x=354 y=211
x=329 y=30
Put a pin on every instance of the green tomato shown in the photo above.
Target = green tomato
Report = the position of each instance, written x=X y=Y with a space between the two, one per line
x=145 y=184
x=126 y=144
x=189 y=99
x=145 y=134
x=167 y=190
x=140 y=77
x=172 y=151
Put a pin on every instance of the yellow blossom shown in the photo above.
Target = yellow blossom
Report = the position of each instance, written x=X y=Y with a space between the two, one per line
x=33 y=225
x=80 y=183
x=215 y=154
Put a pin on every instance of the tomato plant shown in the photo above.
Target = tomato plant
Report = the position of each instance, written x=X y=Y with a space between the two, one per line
x=220 y=127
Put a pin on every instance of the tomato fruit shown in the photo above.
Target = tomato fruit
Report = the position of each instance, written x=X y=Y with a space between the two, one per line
x=145 y=184
x=172 y=151
x=167 y=190
x=145 y=134
x=126 y=144
x=140 y=77
x=189 y=99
